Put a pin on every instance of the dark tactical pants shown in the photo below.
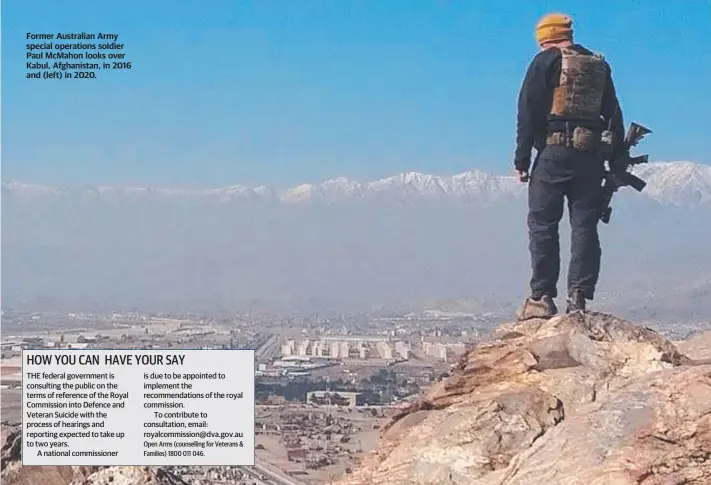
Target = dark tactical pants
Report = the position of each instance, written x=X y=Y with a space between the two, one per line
x=565 y=173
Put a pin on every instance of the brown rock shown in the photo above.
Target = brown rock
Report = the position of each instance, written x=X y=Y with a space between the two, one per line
x=11 y=438
x=16 y=474
x=653 y=431
x=698 y=347
x=131 y=475
x=584 y=398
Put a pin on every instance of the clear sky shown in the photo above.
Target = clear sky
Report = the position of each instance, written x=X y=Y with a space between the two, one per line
x=223 y=92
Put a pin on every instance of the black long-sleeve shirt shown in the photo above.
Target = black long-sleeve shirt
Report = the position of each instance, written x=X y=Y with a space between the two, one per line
x=535 y=101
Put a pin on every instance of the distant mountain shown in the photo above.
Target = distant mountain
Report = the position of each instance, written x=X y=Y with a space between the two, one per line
x=400 y=242
x=681 y=183
x=684 y=183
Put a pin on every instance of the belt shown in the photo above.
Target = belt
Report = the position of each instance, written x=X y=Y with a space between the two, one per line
x=583 y=139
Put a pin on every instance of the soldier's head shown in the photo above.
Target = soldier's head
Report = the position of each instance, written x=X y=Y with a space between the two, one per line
x=554 y=30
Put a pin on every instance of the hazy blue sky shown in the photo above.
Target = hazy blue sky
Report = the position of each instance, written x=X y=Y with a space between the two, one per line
x=281 y=92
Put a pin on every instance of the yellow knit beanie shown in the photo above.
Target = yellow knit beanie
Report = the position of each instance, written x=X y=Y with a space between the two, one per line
x=553 y=27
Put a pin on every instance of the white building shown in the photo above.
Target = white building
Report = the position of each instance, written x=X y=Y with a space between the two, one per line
x=384 y=350
x=345 y=350
x=288 y=348
x=436 y=350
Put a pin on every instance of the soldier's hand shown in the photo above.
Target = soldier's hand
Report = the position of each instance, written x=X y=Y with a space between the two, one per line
x=521 y=175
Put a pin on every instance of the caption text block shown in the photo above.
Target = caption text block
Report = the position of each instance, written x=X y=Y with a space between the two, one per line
x=138 y=407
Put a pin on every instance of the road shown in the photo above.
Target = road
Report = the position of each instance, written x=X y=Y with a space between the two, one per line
x=271 y=474
x=267 y=348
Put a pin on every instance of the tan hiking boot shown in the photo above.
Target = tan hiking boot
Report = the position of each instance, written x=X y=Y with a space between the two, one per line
x=542 y=308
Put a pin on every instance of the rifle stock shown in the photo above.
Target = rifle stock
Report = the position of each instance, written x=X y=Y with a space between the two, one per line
x=629 y=179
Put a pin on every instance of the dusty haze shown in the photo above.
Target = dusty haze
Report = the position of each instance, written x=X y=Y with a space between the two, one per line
x=407 y=242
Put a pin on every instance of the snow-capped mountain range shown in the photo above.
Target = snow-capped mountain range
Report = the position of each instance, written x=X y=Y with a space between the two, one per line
x=679 y=183
x=303 y=249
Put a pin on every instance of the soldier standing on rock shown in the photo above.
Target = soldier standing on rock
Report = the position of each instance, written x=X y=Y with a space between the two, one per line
x=567 y=99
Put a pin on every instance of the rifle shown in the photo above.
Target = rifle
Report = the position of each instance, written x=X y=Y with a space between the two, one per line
x=618 y=173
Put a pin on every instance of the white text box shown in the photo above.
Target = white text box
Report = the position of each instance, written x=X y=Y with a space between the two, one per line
x=138 y=407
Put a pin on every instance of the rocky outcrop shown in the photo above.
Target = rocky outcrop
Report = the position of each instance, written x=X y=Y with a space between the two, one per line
x=11 y=438
x=13 y=473
x=130 y=475
x=698 y=347
x=580 y=399
x=584 y=398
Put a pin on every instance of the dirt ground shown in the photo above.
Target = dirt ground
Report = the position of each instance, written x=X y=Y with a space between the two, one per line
x=363 y=440
x=10 y=404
